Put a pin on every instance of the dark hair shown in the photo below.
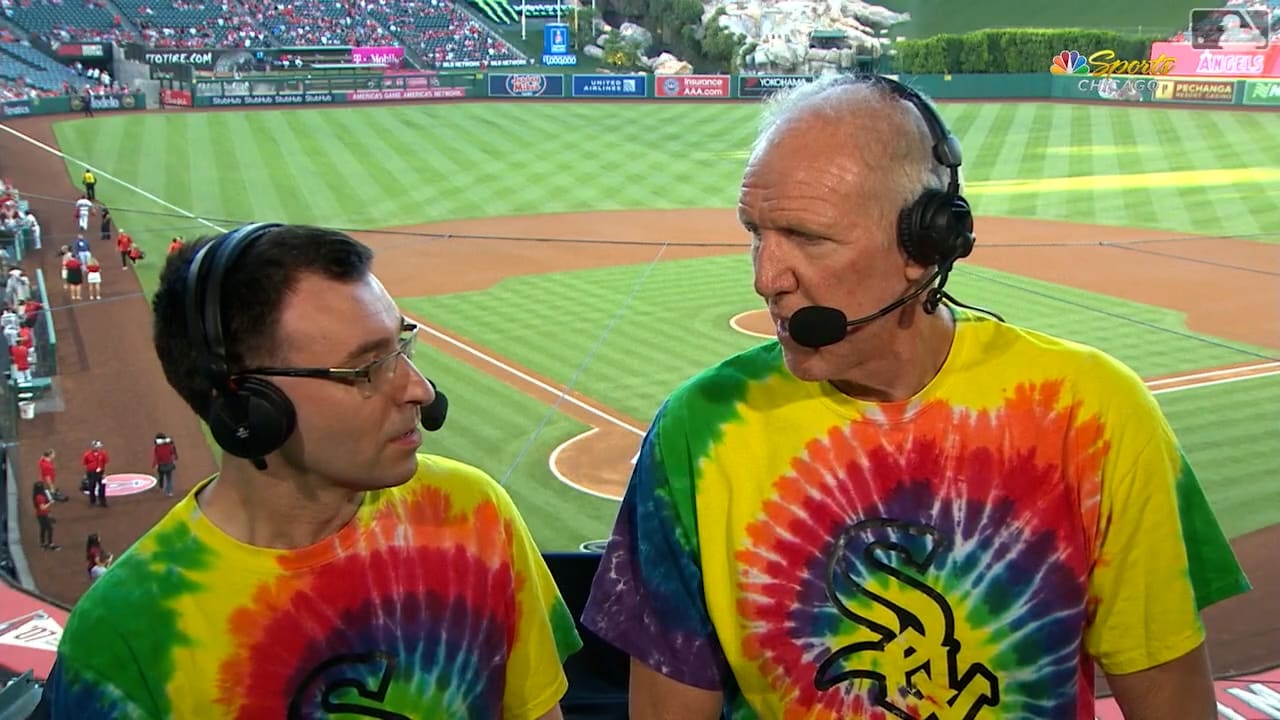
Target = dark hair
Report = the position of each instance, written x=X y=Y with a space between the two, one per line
x=253 y=291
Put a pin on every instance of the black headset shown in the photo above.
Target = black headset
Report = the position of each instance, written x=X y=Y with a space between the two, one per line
x=936 y=228
x=249 y=417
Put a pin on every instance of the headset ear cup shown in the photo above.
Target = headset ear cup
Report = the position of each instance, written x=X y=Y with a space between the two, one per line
x=937 y=226
x=252 y=421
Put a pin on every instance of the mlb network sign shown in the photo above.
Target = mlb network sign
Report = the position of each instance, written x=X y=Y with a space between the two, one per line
x=1262 y=92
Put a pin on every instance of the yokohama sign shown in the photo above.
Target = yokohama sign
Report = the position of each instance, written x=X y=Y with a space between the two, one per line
x=1233 y=60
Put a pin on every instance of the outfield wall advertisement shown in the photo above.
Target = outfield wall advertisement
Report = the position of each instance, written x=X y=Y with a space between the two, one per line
x=692 y=86
x=526 y=85
x=73 y=103
x=610 y=86
x=226 y=93
x=1231 y=60
x=1261 y=92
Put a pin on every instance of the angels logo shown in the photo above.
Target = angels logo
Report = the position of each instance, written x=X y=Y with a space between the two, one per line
x=526 y=84
x=128 y=484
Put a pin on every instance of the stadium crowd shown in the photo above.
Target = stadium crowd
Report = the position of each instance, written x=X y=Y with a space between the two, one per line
x=442 y=33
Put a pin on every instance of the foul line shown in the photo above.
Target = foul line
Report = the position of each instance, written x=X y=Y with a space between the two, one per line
x=423 y=326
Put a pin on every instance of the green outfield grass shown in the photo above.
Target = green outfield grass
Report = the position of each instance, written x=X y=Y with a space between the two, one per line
x=1180 y=170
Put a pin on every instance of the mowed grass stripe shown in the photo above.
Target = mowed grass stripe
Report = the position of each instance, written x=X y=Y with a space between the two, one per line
x=1228 y=433
x=551 y=323
x=1210 y=132
x=323 y=182
x=363 y=134
x=1150 y=339
x=179 y=151
x=1052 y=164
x=1199 y=199
x=212 y=200
x=289 y=165
x=1235 y=141
x=1153 y=206
x=251 y=152
x=1011 y=162
x=1112 y=142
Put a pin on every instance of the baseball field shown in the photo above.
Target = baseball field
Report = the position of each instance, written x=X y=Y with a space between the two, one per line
x=571 y=263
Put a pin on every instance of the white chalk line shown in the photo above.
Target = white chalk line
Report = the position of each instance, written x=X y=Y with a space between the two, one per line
x=1210 y=383
x=734 y=322
x=1214 y=373
x=562 y=394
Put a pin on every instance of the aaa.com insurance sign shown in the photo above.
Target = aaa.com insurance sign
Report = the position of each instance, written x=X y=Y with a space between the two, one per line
x=691 y=86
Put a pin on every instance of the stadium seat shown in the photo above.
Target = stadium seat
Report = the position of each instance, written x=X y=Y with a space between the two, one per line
x=598 y=674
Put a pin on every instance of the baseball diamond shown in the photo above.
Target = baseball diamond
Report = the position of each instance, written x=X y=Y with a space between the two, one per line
x=570 y=263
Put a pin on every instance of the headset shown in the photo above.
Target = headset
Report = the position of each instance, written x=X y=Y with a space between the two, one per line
x=249 y=417
x=936 y=229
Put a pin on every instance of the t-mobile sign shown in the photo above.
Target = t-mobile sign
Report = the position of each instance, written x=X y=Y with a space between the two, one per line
x=390 y=56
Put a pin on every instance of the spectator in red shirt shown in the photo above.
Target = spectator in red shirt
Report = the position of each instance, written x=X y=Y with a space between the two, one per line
x=93 y=274
x=97 y=558
x=123 y=243
x=95 y=467
x=21 y=362
x=44 y=506
x=164 y=458
x=47 y=472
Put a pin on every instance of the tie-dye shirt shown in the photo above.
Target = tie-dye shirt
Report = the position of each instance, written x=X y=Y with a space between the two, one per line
x=432 y=603
x=963 y=555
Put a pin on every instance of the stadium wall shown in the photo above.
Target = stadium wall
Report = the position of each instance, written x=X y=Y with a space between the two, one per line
x=264 y=91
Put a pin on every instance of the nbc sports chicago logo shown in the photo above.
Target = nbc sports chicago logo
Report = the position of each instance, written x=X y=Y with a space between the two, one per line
x=1104 y=63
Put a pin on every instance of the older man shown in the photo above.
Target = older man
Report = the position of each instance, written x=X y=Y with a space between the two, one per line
x=919 y=513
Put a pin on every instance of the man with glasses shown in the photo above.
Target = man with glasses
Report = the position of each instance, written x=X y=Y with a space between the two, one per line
x=338 y=572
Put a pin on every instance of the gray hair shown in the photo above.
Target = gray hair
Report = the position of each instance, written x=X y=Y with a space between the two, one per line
x=836 y=95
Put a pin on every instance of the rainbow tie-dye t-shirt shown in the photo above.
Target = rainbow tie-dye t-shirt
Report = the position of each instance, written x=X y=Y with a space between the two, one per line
x=967 y=554
x=432 y=603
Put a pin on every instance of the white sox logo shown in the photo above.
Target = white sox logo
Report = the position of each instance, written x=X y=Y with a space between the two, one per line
x=917 y=651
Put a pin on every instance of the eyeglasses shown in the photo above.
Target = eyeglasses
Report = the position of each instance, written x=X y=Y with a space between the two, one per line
x=369 y=378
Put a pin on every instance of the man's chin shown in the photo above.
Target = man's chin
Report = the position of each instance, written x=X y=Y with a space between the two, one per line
x=804 y=363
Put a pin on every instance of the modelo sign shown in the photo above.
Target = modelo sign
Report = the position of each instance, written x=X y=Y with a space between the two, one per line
x=527 y=85
x=1243 y=60
x=760 y=86
x=691 y=86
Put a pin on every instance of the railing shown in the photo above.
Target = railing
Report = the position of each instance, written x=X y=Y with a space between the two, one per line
x=46 y=340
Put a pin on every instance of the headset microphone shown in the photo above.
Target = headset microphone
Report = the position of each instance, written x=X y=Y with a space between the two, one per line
x=433 y=415
x=816 y=326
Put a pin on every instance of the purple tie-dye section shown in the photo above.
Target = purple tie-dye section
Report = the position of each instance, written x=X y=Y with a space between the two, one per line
x=647 y=596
